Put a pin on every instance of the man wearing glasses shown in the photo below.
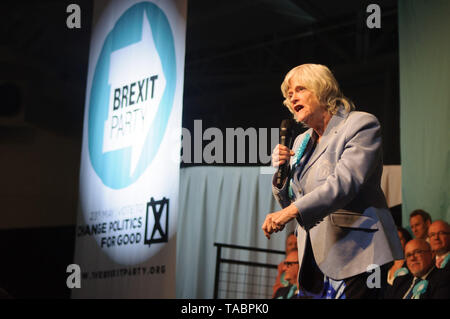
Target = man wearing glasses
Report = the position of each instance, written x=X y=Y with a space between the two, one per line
x=290 y=268
x=439 y=238
x=291 y=245
x=422 y=279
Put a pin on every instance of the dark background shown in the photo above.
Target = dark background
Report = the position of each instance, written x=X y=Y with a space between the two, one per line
x=237 y=53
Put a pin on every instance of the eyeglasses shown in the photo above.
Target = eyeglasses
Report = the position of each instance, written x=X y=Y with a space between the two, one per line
x=416 y=252
x=290 y=263
x=441 y=233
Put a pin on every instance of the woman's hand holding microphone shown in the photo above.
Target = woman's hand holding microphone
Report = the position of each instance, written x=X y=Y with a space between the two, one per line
x=276 y=221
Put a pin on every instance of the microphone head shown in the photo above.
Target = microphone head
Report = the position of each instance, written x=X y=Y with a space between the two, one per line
x=286 y=126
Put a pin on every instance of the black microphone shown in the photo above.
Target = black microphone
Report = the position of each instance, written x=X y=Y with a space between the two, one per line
x=285 y=139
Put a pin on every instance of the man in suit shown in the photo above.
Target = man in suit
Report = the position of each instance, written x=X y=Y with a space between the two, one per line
x=333 y=189
x=439 y=238
x=280 y=281
x=421 y=280
x=290 y=270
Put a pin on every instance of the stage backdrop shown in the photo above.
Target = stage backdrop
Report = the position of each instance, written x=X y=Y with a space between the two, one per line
x=129 y=174
x=425 y=106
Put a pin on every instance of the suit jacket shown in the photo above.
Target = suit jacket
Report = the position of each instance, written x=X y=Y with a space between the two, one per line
x=288 y=292
x=339 y=198
x=438 y=286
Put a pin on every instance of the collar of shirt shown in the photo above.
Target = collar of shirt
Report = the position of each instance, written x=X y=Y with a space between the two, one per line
x=441 y=258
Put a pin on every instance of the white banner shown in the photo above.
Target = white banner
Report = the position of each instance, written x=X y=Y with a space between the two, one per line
x=129 y=173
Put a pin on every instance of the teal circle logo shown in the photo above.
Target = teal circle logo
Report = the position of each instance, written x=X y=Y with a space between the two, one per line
x=116 y=166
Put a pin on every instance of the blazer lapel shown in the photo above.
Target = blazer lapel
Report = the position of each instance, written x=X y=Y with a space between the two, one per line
x=332 y=129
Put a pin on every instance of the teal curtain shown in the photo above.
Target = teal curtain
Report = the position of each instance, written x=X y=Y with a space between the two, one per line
x=424 y=51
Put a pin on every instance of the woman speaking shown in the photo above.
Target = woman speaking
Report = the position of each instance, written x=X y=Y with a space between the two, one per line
x=346 y=235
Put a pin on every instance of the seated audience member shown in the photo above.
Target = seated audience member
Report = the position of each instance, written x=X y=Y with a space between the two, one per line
x=290 y=275
x=291 y=245
x=405 y=237
x=422 y=279
x=439 y=235
x=420 y=220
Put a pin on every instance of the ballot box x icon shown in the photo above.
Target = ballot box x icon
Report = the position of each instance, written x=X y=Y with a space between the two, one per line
x=157 y=215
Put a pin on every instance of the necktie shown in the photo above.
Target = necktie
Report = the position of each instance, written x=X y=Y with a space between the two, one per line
x=410 y=293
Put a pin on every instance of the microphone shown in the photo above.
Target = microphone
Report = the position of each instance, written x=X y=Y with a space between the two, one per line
x=285 y=139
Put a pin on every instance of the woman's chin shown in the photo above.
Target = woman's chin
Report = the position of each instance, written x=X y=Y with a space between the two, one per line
x=301 y=120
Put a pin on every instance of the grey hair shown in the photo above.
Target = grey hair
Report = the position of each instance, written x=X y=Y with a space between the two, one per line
x=318 y=79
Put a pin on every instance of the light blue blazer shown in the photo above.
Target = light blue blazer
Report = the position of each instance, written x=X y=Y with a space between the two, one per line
x=340 y=201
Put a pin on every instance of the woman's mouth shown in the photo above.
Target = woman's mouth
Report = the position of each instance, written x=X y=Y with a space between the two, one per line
x=298 y=107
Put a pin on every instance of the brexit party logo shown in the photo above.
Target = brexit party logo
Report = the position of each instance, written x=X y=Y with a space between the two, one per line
x=132 y=95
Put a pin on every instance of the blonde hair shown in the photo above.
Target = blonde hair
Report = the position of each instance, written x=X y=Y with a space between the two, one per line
x=318 y=79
